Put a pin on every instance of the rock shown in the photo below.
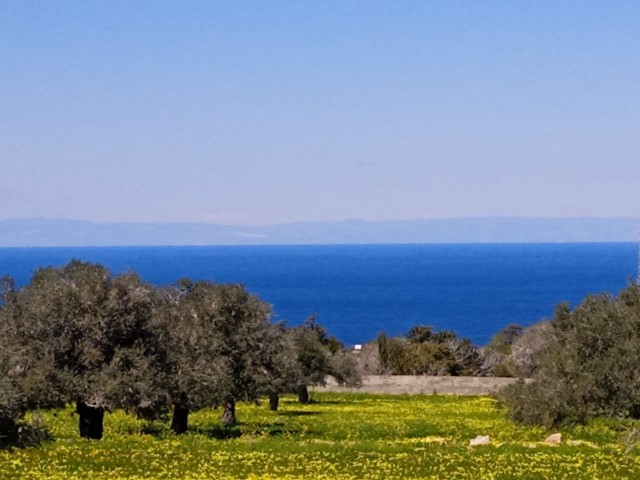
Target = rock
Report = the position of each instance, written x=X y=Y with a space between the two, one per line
x=480 y=440
x=554 y=439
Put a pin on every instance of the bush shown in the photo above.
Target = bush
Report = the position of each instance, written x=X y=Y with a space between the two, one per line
x=422 y=351
x=529 y=349
x=14 y=431
x=588 y=365
x=497 y=360
x=22 y=434
x=516 y=351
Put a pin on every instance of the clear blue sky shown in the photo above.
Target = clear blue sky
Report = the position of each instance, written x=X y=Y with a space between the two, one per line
x=275 y=111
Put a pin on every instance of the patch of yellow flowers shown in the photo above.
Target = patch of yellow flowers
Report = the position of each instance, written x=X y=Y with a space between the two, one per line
x=341 y=436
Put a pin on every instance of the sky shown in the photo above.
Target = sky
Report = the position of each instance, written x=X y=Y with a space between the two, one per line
x=255 y=113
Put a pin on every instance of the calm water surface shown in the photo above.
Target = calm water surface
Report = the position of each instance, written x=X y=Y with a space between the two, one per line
x=358 y=291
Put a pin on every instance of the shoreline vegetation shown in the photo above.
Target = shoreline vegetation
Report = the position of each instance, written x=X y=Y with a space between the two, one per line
x=169 y=371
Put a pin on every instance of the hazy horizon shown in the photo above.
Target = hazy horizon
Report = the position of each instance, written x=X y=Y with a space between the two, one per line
x=60 y=232
x=343 y=220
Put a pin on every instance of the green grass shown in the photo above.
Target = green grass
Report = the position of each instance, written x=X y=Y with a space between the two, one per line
x=341 y=436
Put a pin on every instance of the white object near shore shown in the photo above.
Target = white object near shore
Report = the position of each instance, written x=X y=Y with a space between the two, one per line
x=480 y=440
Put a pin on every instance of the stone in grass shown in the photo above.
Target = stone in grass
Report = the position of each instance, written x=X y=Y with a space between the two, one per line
x=554 y=439
x=480 y=440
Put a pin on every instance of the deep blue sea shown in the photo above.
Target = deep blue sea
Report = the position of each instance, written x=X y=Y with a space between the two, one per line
x=357 y=291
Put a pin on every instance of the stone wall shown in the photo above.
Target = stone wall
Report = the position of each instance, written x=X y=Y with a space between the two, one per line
x=409 y=384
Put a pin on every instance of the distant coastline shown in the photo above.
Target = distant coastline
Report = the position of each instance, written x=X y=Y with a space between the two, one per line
x=38 y=232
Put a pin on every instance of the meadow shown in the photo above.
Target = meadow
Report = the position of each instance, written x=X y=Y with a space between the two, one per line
x=338 y=436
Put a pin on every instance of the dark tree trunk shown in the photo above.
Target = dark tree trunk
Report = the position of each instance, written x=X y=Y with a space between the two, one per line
x=303 y=394
x=180 y=420
x=274 y=401
x=229 y=412
x=90 y=420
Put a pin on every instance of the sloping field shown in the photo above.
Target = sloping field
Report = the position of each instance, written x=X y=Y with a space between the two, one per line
x=341 y=436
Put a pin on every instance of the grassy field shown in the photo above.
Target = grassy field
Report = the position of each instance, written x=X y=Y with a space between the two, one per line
x=341 y=436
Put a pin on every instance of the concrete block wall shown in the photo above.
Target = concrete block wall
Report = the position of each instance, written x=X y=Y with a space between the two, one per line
x=413 y=385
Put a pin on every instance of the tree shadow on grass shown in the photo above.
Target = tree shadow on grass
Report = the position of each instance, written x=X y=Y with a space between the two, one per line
x=153 y=430
x=314 y=401
x=277 y=429
x=331 y=402
x=221 y=432
x=298 y=413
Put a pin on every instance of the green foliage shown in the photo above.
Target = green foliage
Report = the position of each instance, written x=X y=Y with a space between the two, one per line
x=11 y=405
x=14 y=430
x=192 y=367
x=243 y=333
x=393 y=357
x=311 y=354
x=218 y=346
x=502 y=341
x=78 y=331
x=497 y=359
x=590 y=369
x=529 y=349
x=319 y=355
x=344 y=367
x=425 y=352
x=77 y=334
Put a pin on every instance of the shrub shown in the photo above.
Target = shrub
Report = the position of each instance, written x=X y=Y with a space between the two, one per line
x=14 y=431
x=589 y=365
x=516 y=351
x=424 y=352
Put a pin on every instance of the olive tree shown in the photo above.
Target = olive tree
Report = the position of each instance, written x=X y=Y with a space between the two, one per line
x=87 y=338
x=243 y=329
x=281 y=371
x=221 y=348
x=319 y=355
x=195 y=370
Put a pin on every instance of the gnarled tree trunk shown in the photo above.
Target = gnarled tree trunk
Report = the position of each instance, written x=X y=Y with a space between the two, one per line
x=180 y=419
x=90 y=420
x=229 y=412
x=274 y=401
x=303 y=394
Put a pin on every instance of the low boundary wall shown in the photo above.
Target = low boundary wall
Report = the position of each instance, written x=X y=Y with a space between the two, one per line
x=423 y=384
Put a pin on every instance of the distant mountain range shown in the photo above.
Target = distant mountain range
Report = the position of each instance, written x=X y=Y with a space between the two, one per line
x=32 y=232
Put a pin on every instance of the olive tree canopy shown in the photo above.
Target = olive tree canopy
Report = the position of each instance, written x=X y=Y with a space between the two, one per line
x=85 y=337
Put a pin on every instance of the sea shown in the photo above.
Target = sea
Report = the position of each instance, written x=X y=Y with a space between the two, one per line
x=359 y=291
